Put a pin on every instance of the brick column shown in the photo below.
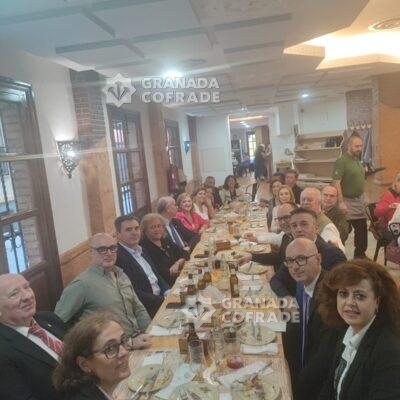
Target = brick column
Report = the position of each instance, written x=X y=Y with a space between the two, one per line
x=95 y=163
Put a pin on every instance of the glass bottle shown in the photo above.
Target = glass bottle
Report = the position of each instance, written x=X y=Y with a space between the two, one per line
x=191 y=293
x=234 y=283
x=207 y=275
x=201 y=285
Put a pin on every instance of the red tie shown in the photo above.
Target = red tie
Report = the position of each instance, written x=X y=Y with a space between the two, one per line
x=53 y=344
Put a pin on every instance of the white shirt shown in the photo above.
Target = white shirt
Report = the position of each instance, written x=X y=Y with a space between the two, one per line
x=23 y=330
x=137 y=255
x=203 y=212
x=309 y=289
x=331 y=234
x=274 y=223
x=105 y=394
x=352 y=342
x=169 y=229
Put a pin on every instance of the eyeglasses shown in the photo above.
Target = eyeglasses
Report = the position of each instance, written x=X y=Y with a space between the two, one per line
x=103 y=249
x=112 y=350
x=301 y=261
x=283 y=218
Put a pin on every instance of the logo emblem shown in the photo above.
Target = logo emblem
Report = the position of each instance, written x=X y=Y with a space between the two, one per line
x=201 y=313
x=119 y=90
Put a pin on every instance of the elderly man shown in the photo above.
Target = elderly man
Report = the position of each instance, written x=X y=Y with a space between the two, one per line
x=311 y=345
x=333 y=212
x=30 y=343
x=303 y=224
x=138 y=266
x=180 y=235
x=310 y=199
x=349 y=180
x=291 y=176
x=105 y=286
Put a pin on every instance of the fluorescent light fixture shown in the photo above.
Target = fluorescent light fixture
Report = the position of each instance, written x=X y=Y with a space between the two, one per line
x=172 y=73
x=242 y=122
x=247 y=118
x=305 y=95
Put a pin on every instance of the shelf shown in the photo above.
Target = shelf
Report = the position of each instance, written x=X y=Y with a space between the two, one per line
x=323 y=135
x=317 y=149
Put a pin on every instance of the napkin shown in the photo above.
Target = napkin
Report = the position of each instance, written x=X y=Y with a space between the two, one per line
x=270 y=348
x=225 y=396
x=245 y=277
x=275 y=326
x=254 y=288
x=161 y=331
x=154 y=358
x=241 y=373
x=181 y=376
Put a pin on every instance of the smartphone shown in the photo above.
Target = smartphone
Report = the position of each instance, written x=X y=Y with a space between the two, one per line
x=174 y=306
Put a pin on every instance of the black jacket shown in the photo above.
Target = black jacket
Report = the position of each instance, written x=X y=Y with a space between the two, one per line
x=284 y=285
x=297 y=192
x=164 y=257
x=87 y=393
x=190 y=238
x=25 y=368
x=375 y=371
x=140 y=281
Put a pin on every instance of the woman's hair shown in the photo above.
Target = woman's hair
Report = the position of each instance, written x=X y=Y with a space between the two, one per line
x=273 y=181
x=292 y=198
x=79 y=341
x=226 y=187
x=196 y=191
x=395 y=180
x=352 y=273
x=180 y=198
x=146 y=221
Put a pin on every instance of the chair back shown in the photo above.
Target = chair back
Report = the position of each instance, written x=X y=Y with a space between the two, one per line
x=374 y=223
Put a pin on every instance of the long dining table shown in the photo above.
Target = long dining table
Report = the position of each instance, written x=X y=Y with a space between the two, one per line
x=278 y=371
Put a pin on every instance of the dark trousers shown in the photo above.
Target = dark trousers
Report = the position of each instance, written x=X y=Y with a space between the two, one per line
x=360 y=236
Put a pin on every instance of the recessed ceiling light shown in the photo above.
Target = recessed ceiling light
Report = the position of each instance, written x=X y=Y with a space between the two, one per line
x=242 y=122
x=305 y=95
x=172 y=73
x=389 y=24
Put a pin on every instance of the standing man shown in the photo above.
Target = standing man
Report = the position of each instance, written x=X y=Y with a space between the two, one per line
x=291 y=176
x=349 y=180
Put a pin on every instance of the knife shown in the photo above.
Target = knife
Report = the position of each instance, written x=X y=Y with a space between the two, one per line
x=193 y=395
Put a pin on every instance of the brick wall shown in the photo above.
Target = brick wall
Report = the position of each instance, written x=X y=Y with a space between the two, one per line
x=359 y=106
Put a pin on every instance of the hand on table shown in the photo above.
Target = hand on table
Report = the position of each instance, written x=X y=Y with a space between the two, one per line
x=394 y=205
x=250 y=236
x=244 y=259
x=142 y=341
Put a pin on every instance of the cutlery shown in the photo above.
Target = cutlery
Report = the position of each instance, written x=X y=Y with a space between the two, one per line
x=172 y=322
x=259 y=336
x=192 y=394
x=183 y=395
x=152 y=381
x=133 y=397
x=250 y=265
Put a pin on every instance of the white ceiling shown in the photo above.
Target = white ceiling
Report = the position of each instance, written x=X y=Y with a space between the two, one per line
x=240 y=42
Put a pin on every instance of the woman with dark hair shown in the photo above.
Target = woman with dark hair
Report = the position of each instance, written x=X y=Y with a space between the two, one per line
x=95 y=359
x=362 y=298
x=274 y=186
x=167 y=257
x=189 y=217
x=230 y=190
x=202 y=204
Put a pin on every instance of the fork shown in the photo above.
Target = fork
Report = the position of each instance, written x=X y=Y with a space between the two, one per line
x=183 y=395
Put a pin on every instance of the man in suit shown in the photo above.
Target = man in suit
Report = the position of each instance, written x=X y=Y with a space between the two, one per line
x=138 y=266
x=309 y=345
x=30 y=343
x=291 y=176
x=180 y=235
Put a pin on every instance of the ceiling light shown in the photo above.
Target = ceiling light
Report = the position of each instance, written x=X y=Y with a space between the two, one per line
x=389 y=24
x=172 y=73
x=247 y=118
x=305 y=95
x=242 y=122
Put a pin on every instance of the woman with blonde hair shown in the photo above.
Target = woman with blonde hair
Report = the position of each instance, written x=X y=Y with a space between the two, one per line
x=190 y=218
x=284 y=195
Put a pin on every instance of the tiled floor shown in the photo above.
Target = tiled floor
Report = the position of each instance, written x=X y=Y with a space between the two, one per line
x=373 y=193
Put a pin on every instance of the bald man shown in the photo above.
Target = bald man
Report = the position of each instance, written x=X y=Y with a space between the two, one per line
x=309 y=346
x=105 y=286
x=30 y=343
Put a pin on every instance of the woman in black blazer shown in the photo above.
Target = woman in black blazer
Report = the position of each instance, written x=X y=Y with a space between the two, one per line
x=167 y=257
x=363 y=298
x=95 y=359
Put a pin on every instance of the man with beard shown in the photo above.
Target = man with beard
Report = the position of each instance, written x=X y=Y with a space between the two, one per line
x=349 y=180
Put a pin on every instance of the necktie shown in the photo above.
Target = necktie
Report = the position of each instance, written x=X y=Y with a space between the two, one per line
x=53 y=344
x=306 y=297
x=175 y=236
x=339 y=372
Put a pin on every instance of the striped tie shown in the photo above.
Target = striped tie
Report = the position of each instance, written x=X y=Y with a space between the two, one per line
x=53 y=344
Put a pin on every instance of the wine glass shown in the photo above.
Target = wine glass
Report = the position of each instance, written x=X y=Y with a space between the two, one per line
x=216 y=347
x=196 y=356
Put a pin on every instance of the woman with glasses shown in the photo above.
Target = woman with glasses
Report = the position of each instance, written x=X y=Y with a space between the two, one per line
x=362 y=299
x=95 y=359
x=167 y=256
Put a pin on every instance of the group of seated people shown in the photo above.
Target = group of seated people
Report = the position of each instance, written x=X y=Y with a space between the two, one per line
x=345 y=346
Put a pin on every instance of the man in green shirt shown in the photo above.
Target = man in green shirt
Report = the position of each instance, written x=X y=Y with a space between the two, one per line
x=104 y=286
x=349 y=180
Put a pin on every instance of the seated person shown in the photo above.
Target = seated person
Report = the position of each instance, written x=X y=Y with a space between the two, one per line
x=181 y=236
x=95 y=359
x=137 y=264
x=273 y=201
x=291 y=176
x=333 y=212
x=202 y=204
x=30 y=343
x=362 y=299
x=285 y=195
x=103 y=285
x=310 y=199
x=190 y=219
x=387 y=206
x=167 y=257
x=210 y=182
x=210 y=196
x=230 y=191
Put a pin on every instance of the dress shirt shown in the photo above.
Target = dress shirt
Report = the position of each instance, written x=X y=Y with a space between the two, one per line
x=137 y=255
x=309 y=289
x=352 y=341
x=94 y=290
x=24 y=331
x=331 y=234
x=174 y=234
x=105 y=394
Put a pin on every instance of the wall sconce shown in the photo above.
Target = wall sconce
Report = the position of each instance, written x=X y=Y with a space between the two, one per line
x=68 y=151
x=187 y=144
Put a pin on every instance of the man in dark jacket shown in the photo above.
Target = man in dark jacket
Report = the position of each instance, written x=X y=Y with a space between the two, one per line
x=30 y=343
x=291 y=176
x=149 y=286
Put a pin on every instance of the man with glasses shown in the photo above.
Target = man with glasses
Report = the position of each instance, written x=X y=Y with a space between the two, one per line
x=311 y=343
x=30 y=343
x=105 y=286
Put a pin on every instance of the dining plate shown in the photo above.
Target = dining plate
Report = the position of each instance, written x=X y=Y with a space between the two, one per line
x=145 y=376
x=255 y=248
x=253 y=268
x=260 y=336
x=171 y=320
x=231 y=255
x=195 y=391
x=255 y=389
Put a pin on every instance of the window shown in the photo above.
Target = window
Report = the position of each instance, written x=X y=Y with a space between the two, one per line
x=251 y=143
x=129 y=161
x=173 y=143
